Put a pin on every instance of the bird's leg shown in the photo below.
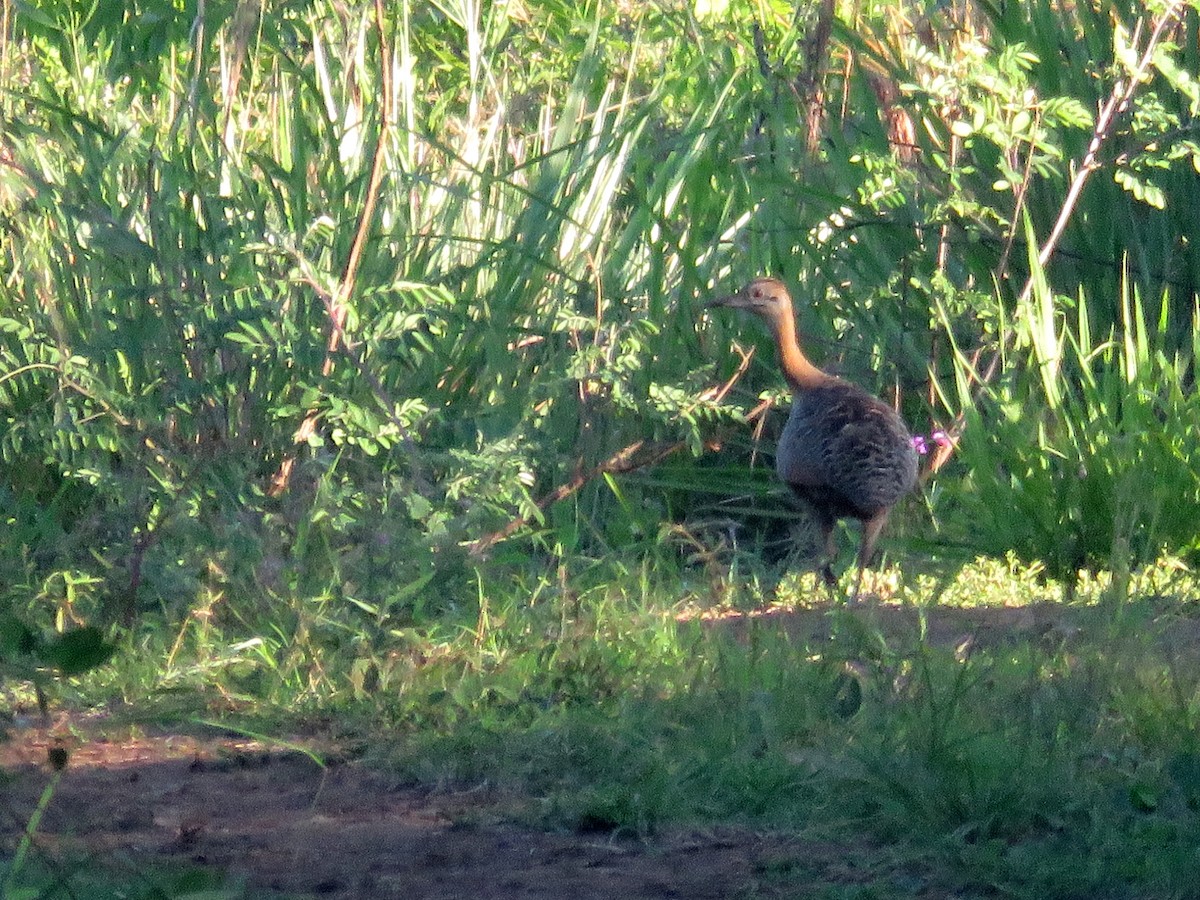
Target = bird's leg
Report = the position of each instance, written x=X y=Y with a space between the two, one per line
x=866 y=548
x=853 y=598
x=827 y=576
x=826 y=525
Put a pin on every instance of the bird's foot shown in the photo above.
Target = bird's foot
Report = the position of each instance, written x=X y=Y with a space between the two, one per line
x=827 y=575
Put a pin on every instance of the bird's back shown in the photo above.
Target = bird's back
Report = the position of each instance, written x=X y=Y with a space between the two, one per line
x=846 y=451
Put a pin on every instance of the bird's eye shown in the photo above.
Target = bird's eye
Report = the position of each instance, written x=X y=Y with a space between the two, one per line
x=756 y=293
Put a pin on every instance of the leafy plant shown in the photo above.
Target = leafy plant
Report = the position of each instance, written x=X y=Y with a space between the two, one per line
x=29 y=656
x=1081 y=459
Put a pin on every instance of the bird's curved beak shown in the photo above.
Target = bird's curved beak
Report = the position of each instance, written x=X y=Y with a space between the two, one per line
x=730 y=300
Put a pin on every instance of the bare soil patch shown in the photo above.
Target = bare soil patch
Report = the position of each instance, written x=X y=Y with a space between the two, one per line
x=288 y=827
x=1164 y=628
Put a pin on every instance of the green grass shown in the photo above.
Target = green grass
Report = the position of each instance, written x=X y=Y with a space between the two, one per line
x=1054 y=758
x=971 y=733
x=84 y=878
x=515 y=247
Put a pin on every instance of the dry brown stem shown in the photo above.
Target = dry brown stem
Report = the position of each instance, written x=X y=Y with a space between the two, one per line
x=338 y=304
x=637 y=455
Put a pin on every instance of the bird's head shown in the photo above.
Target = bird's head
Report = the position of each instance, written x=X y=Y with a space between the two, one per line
x=765 y=297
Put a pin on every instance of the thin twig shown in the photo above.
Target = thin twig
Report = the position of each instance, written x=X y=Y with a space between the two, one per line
x=338 y=305
x=629 y=459
x=352 y=352
x=1018 y=208
x=724 y=389
x=1117 y=103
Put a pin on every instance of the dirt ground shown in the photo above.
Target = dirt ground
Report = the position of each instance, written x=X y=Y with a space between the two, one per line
x=284 y=826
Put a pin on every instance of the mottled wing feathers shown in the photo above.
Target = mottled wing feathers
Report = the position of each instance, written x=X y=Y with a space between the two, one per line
x=844 y=450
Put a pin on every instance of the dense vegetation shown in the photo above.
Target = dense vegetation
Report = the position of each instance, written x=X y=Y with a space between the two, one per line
x=353 y=360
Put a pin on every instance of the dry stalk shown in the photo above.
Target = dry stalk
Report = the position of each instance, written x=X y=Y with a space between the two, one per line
x=338 y=305
x=637 y=455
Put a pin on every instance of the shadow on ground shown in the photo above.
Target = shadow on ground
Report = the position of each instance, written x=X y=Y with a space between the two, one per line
x=283 y=825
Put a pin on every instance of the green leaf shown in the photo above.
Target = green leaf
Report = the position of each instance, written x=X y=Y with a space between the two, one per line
x=78 y=651
x=15 y=636
x=1144 y=797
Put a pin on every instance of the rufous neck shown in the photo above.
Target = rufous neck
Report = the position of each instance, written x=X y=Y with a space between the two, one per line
x=798 y=370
